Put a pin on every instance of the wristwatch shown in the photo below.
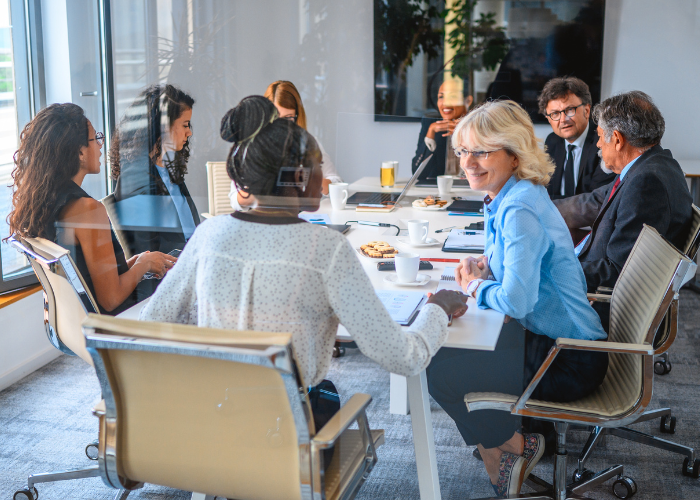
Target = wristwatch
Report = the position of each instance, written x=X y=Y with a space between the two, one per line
x=473 y=285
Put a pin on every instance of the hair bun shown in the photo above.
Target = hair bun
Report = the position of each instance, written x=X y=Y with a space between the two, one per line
x=246 y=120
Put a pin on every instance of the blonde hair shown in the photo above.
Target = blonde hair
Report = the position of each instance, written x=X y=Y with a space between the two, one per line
x=506 y=125
x=285 y=94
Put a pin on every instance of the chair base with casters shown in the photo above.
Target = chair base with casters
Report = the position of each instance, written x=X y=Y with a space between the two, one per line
x=31 y=492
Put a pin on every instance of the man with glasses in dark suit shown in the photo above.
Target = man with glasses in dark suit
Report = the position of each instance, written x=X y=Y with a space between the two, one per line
x=566 y=102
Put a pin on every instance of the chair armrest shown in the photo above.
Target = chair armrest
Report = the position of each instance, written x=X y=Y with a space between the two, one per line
x=100 y=409
x=599 y=297
x=348 y=413
x=604 y=289
x=595 y=345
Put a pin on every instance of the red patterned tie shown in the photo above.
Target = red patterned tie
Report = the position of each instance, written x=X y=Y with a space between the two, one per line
x=612 y=192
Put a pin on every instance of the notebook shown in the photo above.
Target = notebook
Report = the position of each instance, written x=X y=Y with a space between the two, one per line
x=464 y=241
x=467 y=207
x=403 y=307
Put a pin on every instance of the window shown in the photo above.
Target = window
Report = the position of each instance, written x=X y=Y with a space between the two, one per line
x=14 y=113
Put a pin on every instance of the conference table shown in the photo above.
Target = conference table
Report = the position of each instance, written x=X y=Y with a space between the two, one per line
x=477 y=329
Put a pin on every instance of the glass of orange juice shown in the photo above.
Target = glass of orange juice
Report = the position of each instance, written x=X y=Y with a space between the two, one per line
x=387 y=174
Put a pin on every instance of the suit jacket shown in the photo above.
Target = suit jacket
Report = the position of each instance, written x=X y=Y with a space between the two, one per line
x=590 y=175
x=436 y=165
x=653 y=192
x=135 y=179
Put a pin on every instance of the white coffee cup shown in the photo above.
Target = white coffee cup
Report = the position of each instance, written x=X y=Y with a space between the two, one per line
x=444 y=184
x=338 y=193
x=406 y=267
x=417 y=231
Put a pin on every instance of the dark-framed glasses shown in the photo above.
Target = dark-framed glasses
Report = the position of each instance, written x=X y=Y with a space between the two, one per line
x=292 y=119
x=99 y=138
x=477 y=155
x=556 y=115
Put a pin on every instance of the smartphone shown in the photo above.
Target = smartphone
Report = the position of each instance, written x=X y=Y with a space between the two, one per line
x=389 y=266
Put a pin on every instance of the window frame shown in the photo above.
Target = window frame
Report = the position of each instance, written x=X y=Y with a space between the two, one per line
x=27 y=60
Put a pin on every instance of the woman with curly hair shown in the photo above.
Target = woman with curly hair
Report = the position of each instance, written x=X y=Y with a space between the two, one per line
x=149 y=157
x=57 y=149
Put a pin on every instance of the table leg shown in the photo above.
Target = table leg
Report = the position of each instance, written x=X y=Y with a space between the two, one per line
x=398 y=395
x=694 y=284
x=423 y=440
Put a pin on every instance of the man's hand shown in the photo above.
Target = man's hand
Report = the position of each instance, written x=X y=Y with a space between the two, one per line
x=472 y=268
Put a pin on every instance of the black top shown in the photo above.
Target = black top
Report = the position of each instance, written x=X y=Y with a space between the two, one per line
x=436 y=165
x=590 y=175
x=70 y=192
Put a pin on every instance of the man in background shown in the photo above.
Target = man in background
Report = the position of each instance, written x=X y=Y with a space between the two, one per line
x=566 y=102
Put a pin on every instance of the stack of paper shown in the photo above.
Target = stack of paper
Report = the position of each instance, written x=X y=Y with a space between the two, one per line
x=402 y=306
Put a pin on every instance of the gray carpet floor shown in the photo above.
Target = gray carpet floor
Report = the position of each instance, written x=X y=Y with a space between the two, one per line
x=45 y=424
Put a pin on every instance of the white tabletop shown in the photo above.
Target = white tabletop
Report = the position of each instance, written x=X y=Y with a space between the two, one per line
x=478 y=328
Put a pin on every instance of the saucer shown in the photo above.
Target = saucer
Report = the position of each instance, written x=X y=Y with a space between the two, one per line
x=429 y=242
x=421 y=279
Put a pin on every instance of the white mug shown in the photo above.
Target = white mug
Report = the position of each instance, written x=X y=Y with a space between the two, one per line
x=417 y=231
x=406 y=267
x=338 y=193
x=444 y=184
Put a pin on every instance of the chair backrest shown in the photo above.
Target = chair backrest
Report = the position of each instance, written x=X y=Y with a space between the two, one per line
x=643 y=294
x=108 y=202
x=219 y=184
x=67 y=299
x=693 y=241
x=199 y=409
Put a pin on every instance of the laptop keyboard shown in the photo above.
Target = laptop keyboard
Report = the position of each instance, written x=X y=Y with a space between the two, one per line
x=378 y=198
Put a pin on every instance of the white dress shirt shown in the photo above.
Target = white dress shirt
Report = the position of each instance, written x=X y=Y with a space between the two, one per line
x=327 y=167
x=299 y=278
x=578 y=151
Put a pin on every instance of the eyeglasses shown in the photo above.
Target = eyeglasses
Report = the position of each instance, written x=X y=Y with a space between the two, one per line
x=477 y=155
x=99 y=138
x=292 y=119
x=556 y=115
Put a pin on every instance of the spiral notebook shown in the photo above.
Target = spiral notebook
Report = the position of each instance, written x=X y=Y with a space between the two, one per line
x=448 y=281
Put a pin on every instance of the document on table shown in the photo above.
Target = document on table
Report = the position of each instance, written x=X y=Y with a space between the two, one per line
x=461 y=240
x=448 y=281
x=402 y=306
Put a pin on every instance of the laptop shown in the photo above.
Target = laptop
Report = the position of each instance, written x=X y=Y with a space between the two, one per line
x=432 y=182
x=365 y=198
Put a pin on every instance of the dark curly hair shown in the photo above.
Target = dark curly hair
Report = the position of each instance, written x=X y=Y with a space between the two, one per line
x=139 y=134
x=262 y=143
x=48 y=157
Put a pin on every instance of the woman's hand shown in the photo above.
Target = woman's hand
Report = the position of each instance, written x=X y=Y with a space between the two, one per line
x=158 y=263
x=324 y=188
x=452 y=302
x=472 y=268
x=445 y=127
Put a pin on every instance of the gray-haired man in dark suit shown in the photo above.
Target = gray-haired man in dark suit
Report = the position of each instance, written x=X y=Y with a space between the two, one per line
x=649 y=188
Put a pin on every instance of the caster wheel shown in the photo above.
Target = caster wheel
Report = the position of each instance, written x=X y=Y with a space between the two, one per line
x=662 y=367
x=338 y=352
x=668 y=424
x=26 y=495
x=691 y=470
x=624 y=487
x=584 y=475
x=91 y=451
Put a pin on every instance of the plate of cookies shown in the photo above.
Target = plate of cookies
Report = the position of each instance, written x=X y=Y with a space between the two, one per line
x=377 y=250
x=431 y=203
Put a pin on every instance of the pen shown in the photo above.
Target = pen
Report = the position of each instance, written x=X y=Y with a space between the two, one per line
x=441 y=260
x=446 y=229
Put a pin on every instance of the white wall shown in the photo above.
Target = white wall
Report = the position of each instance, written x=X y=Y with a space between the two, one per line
x=24 y=346
x=654 y=46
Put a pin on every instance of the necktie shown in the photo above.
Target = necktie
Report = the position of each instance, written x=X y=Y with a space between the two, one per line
x=569 y=181
x=612 y=191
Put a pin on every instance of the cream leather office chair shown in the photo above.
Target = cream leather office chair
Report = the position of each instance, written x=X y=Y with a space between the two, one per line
x=108 y=202
x=647 y=285
x=219 y=185
x=67 y=301
x=219 y=412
